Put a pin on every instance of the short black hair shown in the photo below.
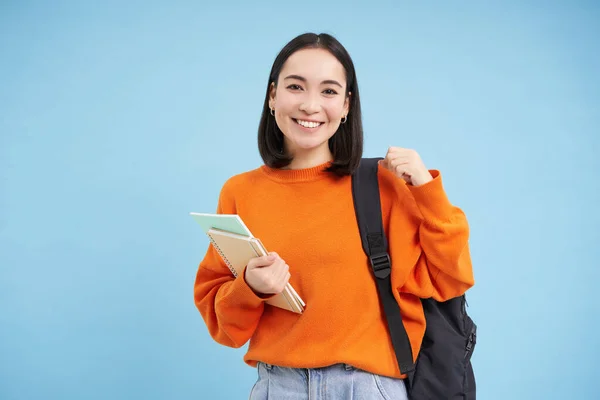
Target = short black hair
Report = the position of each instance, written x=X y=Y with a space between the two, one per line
x=346 y=144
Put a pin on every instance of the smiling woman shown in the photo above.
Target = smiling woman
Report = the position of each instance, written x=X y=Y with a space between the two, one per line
x=312 y=94
x=308 y=109
x=300 y=204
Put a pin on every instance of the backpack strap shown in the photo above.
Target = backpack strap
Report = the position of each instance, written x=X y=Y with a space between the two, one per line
x=367 y=204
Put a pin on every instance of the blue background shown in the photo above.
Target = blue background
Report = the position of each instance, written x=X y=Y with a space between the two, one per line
x=117 y=120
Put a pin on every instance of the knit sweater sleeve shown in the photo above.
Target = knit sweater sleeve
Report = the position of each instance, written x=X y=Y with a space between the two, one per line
x=229 y=307
x=440 y=264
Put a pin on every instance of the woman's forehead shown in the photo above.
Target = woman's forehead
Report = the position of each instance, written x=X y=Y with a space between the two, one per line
x=313 y=65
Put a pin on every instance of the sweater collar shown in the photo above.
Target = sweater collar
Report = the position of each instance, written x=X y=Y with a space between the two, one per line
x=297 y=175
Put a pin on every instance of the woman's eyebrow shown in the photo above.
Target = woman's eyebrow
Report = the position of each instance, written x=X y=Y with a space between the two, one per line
x=303 y=79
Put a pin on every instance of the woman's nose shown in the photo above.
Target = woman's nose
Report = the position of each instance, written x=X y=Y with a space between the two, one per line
x=310 y=104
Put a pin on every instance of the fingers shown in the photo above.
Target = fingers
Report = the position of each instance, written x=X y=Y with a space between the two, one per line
x=393 y=163
x=276 y=276
x=268 y=274
x=398 y=161
x=282 y=273
x=393 y=151
x=396 y=157
x=281 y=277
x=264 y=261
x=399 y=152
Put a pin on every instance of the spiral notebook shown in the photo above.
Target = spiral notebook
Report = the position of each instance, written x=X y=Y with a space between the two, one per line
x=236 y=250
x=236 y=246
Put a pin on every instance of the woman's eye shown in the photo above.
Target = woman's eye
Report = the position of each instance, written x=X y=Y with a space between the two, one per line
x=294 y=87
x=329 y=91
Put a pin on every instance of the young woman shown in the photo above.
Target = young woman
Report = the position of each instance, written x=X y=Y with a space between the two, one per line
x=299 y=203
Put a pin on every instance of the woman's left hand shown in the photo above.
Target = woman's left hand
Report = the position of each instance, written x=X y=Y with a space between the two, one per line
x=406 y=164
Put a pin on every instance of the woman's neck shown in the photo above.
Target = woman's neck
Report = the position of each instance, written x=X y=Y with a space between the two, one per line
x=310 y=158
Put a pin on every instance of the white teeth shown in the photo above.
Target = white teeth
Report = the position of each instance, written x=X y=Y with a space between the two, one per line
x=308 y=124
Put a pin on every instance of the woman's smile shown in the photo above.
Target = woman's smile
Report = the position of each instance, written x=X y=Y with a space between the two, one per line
x=307 y=125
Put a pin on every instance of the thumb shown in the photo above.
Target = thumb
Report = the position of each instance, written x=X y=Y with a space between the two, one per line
x=263 y=261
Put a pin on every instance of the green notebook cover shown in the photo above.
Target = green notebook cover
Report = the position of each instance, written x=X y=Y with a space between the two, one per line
x=225 y=222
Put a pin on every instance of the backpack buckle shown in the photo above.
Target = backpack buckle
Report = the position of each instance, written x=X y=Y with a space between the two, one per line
x=381 y=264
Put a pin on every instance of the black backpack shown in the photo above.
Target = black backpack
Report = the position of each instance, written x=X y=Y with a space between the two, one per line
x=443 y=369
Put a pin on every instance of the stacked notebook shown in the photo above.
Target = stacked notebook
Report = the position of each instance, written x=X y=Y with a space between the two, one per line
x=236 y=245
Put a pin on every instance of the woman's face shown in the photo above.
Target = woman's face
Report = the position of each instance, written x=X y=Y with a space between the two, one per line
x=309 y=100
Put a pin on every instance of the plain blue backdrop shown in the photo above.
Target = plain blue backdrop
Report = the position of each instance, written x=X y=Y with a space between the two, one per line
x=119 y=118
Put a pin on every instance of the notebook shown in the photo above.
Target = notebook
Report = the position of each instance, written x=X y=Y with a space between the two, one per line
x=236 y=250
x=236 y=245
x=225 y=222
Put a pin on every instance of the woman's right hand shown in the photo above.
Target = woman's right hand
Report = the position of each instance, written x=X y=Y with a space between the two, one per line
x=267 y=275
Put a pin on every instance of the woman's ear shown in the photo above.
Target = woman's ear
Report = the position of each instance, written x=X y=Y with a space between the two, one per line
x=347 y=103
x=272 y=90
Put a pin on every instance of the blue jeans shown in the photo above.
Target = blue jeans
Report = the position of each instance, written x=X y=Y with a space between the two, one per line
x=337 y=382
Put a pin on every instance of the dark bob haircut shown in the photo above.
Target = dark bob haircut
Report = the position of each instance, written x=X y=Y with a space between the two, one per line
x=346 y=144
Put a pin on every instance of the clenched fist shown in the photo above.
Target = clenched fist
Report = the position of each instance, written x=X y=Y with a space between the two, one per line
x=267 y=275
x=406 y=164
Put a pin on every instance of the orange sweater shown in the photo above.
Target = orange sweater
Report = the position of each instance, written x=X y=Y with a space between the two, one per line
x=307 y=217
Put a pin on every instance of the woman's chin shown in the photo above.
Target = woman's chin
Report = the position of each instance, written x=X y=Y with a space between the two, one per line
x=308 y=147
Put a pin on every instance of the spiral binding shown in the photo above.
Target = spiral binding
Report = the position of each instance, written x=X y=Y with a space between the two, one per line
x=222 y=256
